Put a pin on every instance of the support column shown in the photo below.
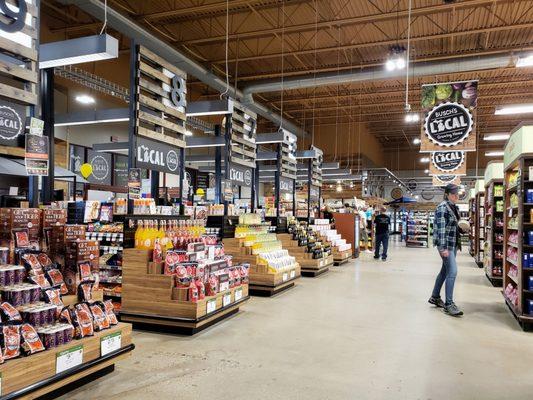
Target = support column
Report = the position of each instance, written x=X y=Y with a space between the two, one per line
x=47 y=111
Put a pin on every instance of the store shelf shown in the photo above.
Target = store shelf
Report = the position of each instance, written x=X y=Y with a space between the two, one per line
x=513 y=278
x=515 y=263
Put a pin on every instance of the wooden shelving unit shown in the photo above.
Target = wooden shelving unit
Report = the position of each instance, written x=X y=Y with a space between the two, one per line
x=150 y=299
x=37 y=375
x=518 y=270
x=494 y=224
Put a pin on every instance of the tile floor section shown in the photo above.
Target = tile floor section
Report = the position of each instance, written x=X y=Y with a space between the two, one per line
x=362 y=331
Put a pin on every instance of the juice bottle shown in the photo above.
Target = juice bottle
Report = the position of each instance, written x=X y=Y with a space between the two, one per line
x=138 y=234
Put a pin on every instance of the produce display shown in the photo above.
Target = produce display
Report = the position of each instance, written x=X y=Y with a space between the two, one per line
x=463 y=92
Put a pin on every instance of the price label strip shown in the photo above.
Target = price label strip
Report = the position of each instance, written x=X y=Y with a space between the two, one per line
x=293 y=274
x=110 y=343
x=284 y=277
x=226 y=300
x=69 y=358
x=238 y=294
x=211 y=306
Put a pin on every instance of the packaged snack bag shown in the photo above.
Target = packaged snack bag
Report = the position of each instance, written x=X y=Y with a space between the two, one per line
x=85 y=291
x=64 y=316
x=56 y=277
x=201 y=288
x=84 y=270
x=54 y=297
x=31 y=343
x=110 y=311
x=11 y=341
x=40 y=279
x=83 y=324
x=100 y=318
x=193 y=293
x=10 y=312
x=44 y=260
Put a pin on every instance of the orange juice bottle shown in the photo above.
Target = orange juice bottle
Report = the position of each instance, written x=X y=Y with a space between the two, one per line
x=138 y=234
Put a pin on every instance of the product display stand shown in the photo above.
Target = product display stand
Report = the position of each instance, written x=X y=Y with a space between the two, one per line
x=44 y=373
x=479 y=222
x=150 y=298
x=518 y=222
x=348 y=226
x=417 y=229
x=494 y=210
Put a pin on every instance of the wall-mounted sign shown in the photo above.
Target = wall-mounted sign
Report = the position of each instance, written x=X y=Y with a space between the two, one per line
x=240 y=175
x=36 y=126
x=427 y=195
x=120 y=170
x=11 y=122
x=448 y=163
x=396 y=193
x=449 y=119
x=443 y=180
x=412 y=184
x=134 y=183
x=157 y=156
x=101 y=164
x=202 y=180
x=36 y=155
x=286 y=185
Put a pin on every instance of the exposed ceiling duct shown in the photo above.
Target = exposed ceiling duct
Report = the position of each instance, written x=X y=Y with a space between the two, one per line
x=131 y=29
x=380 y=73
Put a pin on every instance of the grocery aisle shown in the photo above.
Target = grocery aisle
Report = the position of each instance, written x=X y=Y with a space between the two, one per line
x=363 y=331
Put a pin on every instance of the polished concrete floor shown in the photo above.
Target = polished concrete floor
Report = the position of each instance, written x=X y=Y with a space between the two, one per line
x=362 y=331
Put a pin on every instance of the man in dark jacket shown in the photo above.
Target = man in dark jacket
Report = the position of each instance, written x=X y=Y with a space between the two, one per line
x=446 y=237
x=382 y=222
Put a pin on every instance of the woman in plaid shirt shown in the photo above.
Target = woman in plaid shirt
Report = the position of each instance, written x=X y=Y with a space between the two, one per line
x=446 y=237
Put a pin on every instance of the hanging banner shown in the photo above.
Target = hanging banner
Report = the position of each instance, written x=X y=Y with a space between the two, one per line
x=286 y=185
x=240 y=175
x=101 y=167
x=448 y=163
x=157 y=156
x=36 y=155
x=449 y=116
x=443 y=180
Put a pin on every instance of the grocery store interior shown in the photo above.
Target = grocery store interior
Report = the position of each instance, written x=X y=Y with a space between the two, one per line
x=283 y=199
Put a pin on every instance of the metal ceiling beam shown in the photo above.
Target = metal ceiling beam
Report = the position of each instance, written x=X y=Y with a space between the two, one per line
x=389 y=42
x=131 y=29
x=394 y=15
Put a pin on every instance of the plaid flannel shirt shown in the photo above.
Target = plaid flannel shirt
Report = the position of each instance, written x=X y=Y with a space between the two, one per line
x=445 y=228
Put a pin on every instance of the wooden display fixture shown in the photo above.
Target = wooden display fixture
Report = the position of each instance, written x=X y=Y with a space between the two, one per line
x=151 y=300
x=262 y=282
x=341 y=257
x=35 y=376
x=309 y=266
x=348 y=226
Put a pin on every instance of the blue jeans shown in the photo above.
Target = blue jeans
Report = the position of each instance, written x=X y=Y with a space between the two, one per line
x=447 y=274
x=382 y=239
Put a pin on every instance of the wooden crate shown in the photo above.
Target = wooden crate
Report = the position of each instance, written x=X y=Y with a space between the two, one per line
x=145 y=294
x=20 y=373
x=157 y=116
x=317 y=263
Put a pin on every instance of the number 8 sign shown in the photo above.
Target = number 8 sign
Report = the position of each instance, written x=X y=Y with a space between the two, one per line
x=177 y=91
x=17 y=18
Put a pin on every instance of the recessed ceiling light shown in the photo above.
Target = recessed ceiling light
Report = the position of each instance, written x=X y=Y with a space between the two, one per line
x=416 y=140
x=514 y=109
x=424 y=160
x=85 y=99
x=426 y=171
x=526 y=61
x=497 y=136
x=188 y=133
x=494 y=153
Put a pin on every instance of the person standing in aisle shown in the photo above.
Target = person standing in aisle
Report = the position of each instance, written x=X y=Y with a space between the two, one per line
x=382 y=222
x=363 y=226
x=447 y=239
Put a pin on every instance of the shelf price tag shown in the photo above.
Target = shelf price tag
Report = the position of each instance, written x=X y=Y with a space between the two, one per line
x=211 y=306
x=110 y=343
x=284 y=277
x=238 y=294
x=226 y=299
x=293 y=274
x=69 y=358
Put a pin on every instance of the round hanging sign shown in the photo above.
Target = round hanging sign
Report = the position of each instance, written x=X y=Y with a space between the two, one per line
x=448 y=161
x=448 y=124
x=445 y=179
x=396 y=193
x=172 y=160
x=100 y=168
x=427 y=195
x=10 y=123
x=412 y=184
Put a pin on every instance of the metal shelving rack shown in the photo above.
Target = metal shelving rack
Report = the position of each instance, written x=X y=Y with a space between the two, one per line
x=418 y=229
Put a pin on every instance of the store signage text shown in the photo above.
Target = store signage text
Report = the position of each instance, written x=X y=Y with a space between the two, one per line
x=448 y=161
x=448 y=124
x=314 y=192
x=157 y=156
x=286 y=185
x=240 y=175
x=17 y=19
x=10 y=123
x=100 y=168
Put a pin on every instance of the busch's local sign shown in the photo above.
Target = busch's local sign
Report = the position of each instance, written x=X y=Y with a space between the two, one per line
x=448 y=161
x=240 y=175
x=286 y=185
x=448 y=124
x=156 y=156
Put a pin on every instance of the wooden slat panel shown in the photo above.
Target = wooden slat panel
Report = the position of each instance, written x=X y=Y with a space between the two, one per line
x=239 y=150
x=143 y=99
x=18 y=49
x=161 y=137
x=151 y=87
x=18 y=94
x=147 y=117
x=164 y=63
x=243 y=140
x=243 y=162
x=154 y=73
x=19 y=72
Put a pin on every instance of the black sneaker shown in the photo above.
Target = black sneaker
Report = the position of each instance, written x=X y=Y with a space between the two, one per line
x=376 y=258
x=383 y=259
x=436 y=301
x=453 y=310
